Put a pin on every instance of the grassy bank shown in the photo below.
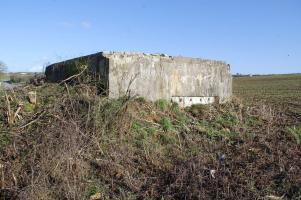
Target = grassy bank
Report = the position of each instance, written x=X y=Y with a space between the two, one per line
x=74 y=144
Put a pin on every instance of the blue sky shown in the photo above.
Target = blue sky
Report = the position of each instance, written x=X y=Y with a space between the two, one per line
x=254 y=36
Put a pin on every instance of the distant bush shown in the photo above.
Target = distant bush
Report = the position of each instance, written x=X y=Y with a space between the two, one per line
x=20 y=78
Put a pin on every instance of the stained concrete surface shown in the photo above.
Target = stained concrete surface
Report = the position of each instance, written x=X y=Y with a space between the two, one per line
x=152 y=76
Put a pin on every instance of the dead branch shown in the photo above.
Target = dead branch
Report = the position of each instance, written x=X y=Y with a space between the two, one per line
x=74 y=76
x=33 y=121
x=8 y=109
x=133 y=78
x=17 y=112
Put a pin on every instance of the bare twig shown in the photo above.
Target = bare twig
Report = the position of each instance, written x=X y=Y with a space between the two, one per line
x=8 y=109
x=33 y=121
x=128 y=91
x=17 y=111
x=74 y=76
x=2 y=176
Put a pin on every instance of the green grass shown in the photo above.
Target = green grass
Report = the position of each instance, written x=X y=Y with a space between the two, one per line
x=162 y=104
x=296 y=133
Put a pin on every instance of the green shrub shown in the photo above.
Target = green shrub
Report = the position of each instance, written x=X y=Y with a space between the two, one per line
x=175 y=108
x=141 y=136
x=162 y=104
x=228 y=120
x=166 y=124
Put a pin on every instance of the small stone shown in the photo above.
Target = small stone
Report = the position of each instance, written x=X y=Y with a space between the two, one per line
x=212 y=173
x=272 y=197
x=96 y=196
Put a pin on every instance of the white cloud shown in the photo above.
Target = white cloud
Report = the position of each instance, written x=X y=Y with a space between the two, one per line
x=86 y=24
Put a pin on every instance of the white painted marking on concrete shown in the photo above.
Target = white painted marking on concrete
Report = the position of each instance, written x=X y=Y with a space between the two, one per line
x=189 y=101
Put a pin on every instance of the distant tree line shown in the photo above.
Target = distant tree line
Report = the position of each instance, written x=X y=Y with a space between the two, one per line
x=241 y=75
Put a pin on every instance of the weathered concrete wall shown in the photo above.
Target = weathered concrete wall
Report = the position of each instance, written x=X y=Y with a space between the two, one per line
x=153 y=76
x=156 y=76
x=96 y=63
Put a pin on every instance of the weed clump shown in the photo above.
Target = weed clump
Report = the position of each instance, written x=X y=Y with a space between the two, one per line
x=162 y=104
x=166 y=124
x=295 y=131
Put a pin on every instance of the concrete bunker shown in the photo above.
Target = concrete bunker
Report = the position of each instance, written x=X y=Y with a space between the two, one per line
x=186 y=81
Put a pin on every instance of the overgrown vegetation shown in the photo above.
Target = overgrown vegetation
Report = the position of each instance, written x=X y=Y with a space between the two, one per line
x=75 y=144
